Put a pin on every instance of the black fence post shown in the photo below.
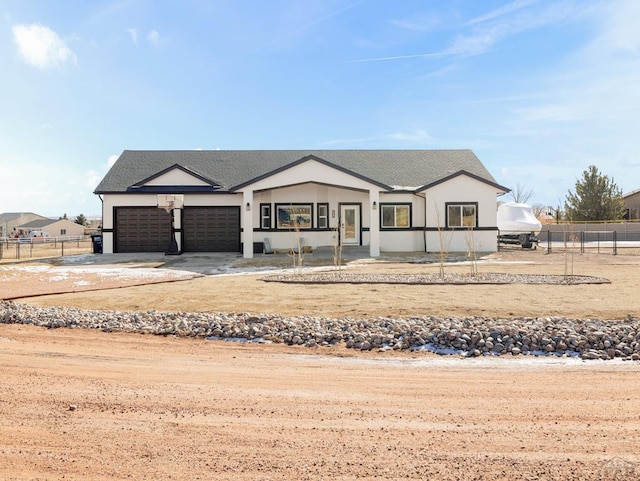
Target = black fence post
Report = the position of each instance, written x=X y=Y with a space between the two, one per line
x=615 y=242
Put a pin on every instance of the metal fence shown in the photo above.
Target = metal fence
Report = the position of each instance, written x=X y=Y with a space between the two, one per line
x=602 y=237
x=40 y=248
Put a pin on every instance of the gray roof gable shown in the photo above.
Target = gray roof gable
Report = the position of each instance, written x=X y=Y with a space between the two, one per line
x=9 y=216
x=37 y=224
x=229 y=169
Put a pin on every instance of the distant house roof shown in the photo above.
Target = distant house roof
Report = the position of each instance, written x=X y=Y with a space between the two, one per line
x=228 y=170
x=43 y=223
x=38 y=224
x=9 y=216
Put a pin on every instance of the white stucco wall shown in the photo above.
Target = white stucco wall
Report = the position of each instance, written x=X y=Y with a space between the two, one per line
x=311 y=183
x=307 y=194
x=462 y=189
x=176 y=177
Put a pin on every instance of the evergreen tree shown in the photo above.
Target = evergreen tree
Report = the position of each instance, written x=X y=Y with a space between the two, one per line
x=596 y=198
x=81 y=219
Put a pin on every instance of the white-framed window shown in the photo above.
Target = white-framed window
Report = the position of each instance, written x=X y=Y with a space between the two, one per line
x=265 y=216
x=395 y=216
x=462 y=214
x=323 y=216
x=63 y=231
x=293 y=216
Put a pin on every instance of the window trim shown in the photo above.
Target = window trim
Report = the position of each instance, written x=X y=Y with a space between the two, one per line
x=319 y=217
x=305 y=226
x=265 y=217
x=395 y=205
x=461 y=205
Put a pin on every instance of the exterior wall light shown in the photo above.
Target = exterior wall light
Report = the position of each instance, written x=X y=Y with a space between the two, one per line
x=374 y=206
x=248 y=207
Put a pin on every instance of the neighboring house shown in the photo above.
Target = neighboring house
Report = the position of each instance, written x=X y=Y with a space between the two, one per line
x=55 y=228
x=388 y=200
x=10 y=221
x=94 y=224
x=632 y=203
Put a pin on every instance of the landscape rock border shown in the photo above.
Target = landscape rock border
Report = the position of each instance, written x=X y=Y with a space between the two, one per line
x=587 y=339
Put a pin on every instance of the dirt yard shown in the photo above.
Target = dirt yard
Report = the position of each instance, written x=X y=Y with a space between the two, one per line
x=78 y=404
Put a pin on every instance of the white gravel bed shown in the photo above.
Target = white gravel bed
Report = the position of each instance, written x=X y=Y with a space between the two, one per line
x=480 y=278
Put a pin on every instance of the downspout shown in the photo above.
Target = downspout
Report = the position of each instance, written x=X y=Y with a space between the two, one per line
x=101 y=211
x=424 y=228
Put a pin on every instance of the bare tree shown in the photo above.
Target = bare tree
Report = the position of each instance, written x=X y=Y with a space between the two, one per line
x=336 y=249
x=297 y=252
x=472 y=251
x=539 y=210
x=444 y=242
x=521 y=194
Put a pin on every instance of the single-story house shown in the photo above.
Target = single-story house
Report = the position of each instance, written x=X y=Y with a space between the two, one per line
x=10 y=221
x=54 y=227
x=236 y=201
x=632 y=204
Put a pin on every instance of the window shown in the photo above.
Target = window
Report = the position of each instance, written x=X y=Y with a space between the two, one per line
x=63 y=231
x=293 y=216
x=462 y=215
x=323 y=216
x=265 y=216
x=396 y=215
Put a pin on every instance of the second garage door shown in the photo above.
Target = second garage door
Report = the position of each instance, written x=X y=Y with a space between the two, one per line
x=142 y=229
x=211 y=229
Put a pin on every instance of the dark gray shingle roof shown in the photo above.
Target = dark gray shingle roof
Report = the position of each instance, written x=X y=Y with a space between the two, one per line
x=231 y=168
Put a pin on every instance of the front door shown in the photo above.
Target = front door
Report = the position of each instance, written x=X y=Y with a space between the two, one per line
x=350 y=224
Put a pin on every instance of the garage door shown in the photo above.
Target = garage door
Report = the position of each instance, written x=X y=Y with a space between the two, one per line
x=142 y=229
x=211 y=229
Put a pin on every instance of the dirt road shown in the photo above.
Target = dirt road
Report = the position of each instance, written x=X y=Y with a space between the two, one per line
x=88 y=405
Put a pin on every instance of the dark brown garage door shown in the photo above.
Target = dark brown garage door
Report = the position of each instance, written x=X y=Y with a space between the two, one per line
x=142 y=229
x=211 y=229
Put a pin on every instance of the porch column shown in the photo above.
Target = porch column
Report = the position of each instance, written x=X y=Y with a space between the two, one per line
x=374 y=223
x=247 y=209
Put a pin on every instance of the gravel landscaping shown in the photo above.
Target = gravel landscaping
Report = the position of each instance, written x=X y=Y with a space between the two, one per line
x=447 y=278
x=466 y=336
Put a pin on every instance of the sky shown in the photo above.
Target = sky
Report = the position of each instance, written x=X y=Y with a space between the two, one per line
x=538 y=89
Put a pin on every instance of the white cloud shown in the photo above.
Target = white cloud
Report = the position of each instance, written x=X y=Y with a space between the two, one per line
x=507 y=21
x=154 y=37
x=619 y=27
x=134 y=34
x=93 y=179
x=42 y=47
x=420 y=23
x=415 y=136
x=112 y=160
x=504 y=10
